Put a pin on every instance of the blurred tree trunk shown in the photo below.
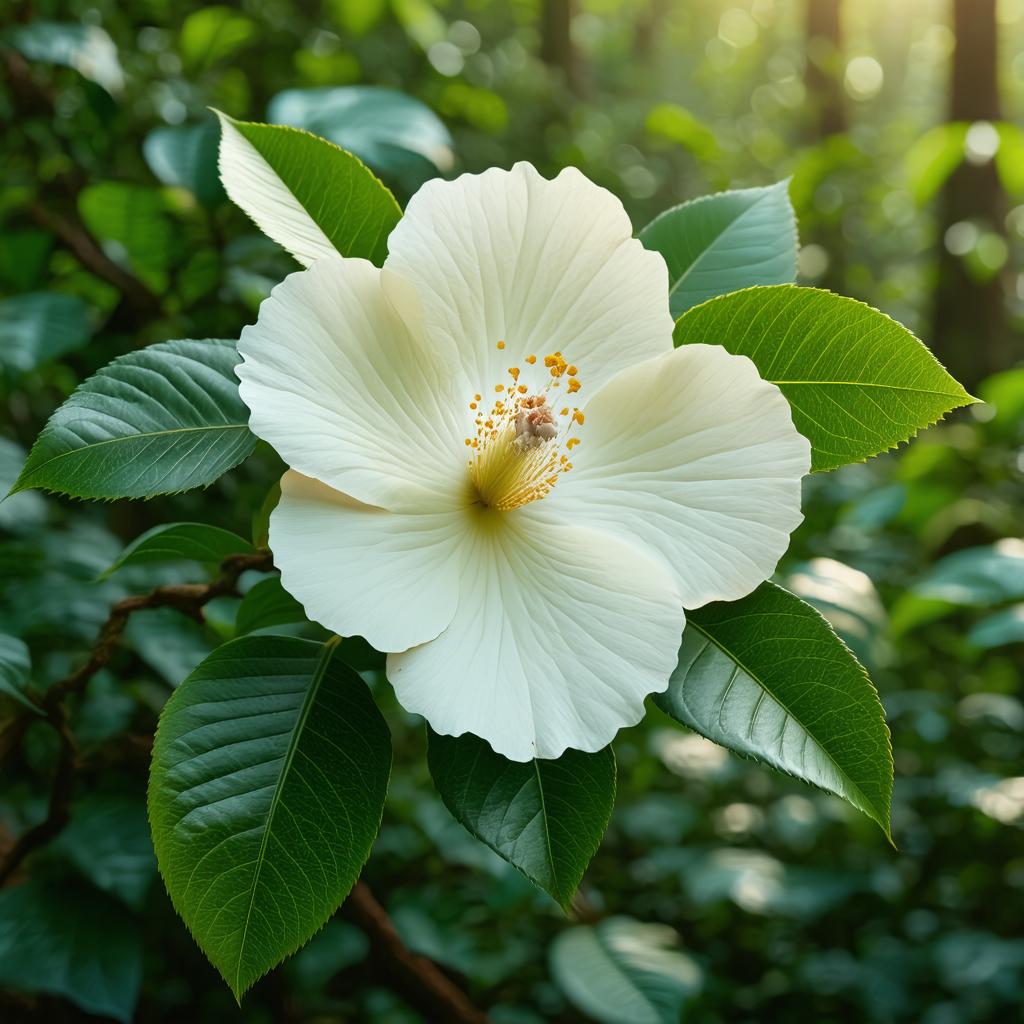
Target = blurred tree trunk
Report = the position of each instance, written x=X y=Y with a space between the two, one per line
x=969 y=330
x=823 y=71
x=556 y=46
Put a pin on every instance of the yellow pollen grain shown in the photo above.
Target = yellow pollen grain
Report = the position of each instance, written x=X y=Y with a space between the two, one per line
x=572 y=442
x=522 y=389
x=564 y=412
x=577 y=417
x=499 y=388
x=571 y=370
x=574 y=385
x=472 y=405
x=501 y=344
x=531 y=359
x=513 y=372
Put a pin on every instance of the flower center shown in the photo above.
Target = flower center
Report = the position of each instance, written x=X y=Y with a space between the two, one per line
x=523 y=444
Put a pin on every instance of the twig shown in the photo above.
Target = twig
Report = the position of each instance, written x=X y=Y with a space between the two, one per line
x=418 y=980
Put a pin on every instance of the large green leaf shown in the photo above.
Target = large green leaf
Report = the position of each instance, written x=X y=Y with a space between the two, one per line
x=624 y=970
x=767 y=677
x=71 y=941
x=166 y=418
x=186 y=156
x=307 y=194
x=39 y=327
x=725 y=242
x=544 y=817
x=858 y=382
x=16 y=671
x=182 y=542
x=270 y=768
x=393 y=132
x=267 y=604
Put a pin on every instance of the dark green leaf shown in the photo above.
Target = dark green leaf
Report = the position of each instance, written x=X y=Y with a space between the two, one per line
x=16 y=671
x=40 y=327
x=185 y=156
x=622 y=970
x=86 y=48
x=267 y=604
x=305 y=193
x=767 y=677
x=160 y=420
x=71 y=941
x=168 y=642
x=546 y=817
x=858 y=382
x=182 y=542
x=725 y=242
x=270 y=768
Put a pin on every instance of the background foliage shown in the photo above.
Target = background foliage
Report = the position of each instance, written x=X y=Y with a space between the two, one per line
x=746 y=895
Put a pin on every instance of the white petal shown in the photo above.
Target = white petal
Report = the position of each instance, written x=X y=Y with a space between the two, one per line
x=389 y=577
x=695 y=456
x=542 y=265
x=348 y=393
x=559 y=634
x=254 y=185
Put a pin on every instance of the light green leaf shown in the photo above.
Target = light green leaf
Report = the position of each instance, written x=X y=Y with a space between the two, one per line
x=185 y=156
x=182 y=542
x=859 y=383
x=978 y=577
x=933 y=158
x=725 y=242
x=999 y=630
x=39 y=327
x=71 y=941
x=1004 y=392
x=166 y=418
x=86 y=48
x=267 y=604
x=270 y=768
x=623 y=970
x=393 y=132
x=307 y=194
x=767 y=677
x=213 y=34
x=16 y=671
x=545 y=817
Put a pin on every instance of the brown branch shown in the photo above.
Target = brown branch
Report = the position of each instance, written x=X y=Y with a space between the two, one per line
x=418 y=980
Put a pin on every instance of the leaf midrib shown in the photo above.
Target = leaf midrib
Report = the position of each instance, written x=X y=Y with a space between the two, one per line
x=871 y=384
x=547 y=830
x=307 y=705
x=785 y=707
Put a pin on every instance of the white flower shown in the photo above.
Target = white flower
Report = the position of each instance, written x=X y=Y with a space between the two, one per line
x=502 y=472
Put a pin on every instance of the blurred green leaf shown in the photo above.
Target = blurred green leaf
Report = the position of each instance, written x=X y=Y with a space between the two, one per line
x=269 y=773
x=163 y=419
x=108 y=842
x=356 y=17
x=185 y=156
x=261 y=517
x=999 y=630
x=623 y=970
x=40 y=327
x=168 y=642
x=1005 y=393
x=1010 y=158
x=722 y=243
x=86 y=48
x=677 y=124
x=308 y=195
x=767 y=677
x=182 y=542
x=979 y=577
x=71 y=941
x=267 y=604
x=859 y=383
x=394 y=133
x=23 y=255
x=16 y=671
x=546 y=817
x=213 y=34
x=933 y=158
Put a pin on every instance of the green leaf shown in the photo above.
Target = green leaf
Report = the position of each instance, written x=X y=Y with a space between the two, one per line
x=86 y=48
x=107 y=840
x=71 y=941
x=16 y=671
x=393 y=132
x=23 y=257
x=767 y=677
x=999 y=630
x=185 y=156
x=270 y=768
x=545 y=817
x=978 y=577
x=933 y=158
x=171 y=644
x=182 y=542
x=213 y=34
x=859 y=383
x=267 y=604
x=725 y=242
x=307 y=194
x=164 y=419
x=40 y=327
x=623 y=970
